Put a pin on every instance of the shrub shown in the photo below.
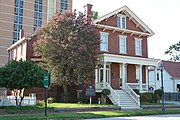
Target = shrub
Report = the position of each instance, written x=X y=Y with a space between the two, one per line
x=159 y=92
x=40 y=103
x=106 y=92
x=150 y=97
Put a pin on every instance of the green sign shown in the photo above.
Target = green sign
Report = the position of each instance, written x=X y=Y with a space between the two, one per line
x=46 y=79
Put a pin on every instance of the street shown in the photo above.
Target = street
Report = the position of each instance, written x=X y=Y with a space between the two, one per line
x=151 y=117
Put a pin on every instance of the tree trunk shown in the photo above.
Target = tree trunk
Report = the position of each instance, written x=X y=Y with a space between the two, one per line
x=65 y=91
x=22 y=96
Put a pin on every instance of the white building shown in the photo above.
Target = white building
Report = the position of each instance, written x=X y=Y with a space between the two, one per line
x=171 y=76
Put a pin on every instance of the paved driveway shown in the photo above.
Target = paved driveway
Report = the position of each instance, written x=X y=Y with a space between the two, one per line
x=152 y=117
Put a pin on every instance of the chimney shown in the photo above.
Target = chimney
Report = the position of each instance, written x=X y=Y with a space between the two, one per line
x=21 y=34
x=88 y=12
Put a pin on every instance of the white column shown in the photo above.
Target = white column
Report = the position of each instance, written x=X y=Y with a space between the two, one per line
x=155 y=76
x=104 y=74
x=96 y=75
x=147 y=78
x=123 y=74
x=140 y=79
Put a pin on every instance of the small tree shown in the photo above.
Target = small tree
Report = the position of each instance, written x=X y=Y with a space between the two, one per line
x=174 y=52
x=105 y=93
x=20 y=75
x=68 y=45
x=159 y=93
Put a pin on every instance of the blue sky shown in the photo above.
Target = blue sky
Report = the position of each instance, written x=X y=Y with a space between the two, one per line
x=162 y=16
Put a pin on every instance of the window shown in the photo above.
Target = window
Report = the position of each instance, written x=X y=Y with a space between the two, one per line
x=64 y=5
x=79 y=94
x=138 y=46
x=137 y=74
x=157 y=76
x=121 y=21
x=122 y=44
x=37 y=14
x=18 y=19
x=101 y=73
x=103 y=41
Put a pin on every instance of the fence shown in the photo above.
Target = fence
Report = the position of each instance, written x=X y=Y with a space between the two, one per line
x=170 y=96
x=10 y=101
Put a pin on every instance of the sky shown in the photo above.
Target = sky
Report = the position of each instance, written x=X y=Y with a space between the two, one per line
x=161 y=16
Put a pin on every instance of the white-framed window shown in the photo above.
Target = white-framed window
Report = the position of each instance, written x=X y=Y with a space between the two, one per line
x=103 y=41
x=79 y=94
x=121 y=21
x=122 y=44
x=138 y=46
x=137 y=73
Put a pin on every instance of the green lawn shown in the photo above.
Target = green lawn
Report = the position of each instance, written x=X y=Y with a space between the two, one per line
x=84 y=115
x=13 y=110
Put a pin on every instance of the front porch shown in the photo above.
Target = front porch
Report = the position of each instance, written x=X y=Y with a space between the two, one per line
x=118 y=70
x=121 y=74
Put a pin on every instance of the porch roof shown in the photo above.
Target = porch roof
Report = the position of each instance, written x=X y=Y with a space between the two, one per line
x=127 y=59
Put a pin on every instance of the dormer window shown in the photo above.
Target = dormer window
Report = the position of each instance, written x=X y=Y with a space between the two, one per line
x=121 y=21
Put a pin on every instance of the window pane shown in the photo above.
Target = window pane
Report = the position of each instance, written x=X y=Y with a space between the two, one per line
x=104 y=42
x=122 y=46
x=123 y=22
x=138 y=47
x=119 y=22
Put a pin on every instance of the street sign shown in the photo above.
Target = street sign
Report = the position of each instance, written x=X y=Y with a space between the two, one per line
x=46 y=79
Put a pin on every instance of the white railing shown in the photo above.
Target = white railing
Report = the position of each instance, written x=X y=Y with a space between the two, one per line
x=113 y=94
x=101 y=86
x=131 y=92
x=10 y=101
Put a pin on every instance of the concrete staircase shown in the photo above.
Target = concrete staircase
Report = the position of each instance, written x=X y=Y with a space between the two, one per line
x=125 y=101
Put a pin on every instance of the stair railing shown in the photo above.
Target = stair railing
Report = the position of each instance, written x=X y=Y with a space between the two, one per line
x=131 y=92
x=113 y=94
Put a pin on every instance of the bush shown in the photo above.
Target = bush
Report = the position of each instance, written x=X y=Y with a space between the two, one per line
x=40 y=103
x=150 y=97
x=106 y=92
x=158 y=92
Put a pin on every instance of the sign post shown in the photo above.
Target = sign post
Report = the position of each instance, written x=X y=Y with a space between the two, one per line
x=90 y=92
x=46 y=85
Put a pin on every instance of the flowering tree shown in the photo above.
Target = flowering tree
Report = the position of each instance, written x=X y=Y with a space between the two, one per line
x=174 y=52
x=68 y=45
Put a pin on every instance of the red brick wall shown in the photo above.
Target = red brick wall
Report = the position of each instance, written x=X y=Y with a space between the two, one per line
x=131 y=73
x=112 y=21
x=113 y=44
x=115 y=70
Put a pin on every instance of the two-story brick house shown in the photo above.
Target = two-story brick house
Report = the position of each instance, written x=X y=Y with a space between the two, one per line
x=123 y=56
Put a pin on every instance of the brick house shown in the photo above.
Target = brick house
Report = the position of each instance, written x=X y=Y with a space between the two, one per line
x=122 y=61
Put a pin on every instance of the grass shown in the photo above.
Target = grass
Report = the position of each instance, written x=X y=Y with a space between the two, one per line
x=13 y=109
x=148 y=103
x=84 y=115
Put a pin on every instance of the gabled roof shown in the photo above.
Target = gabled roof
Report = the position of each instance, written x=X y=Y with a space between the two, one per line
x=130 y=14
x=173 y=68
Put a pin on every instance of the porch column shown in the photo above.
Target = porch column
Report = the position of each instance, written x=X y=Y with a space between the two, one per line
x=147 y=78
x=104 y=74
x=140 y=79
x=155 y=76
x=123 y=74
x=96 y=75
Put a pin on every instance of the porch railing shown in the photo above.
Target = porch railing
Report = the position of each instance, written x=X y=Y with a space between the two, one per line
x=131 y=92
x=144 y=86
x=114 y=95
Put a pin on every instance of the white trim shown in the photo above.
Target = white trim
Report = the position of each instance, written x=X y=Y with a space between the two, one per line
x=140 y=47
x=131 y=15
x=104 y=33
x=125 y=46
x=122 y=30
x=128 y=59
